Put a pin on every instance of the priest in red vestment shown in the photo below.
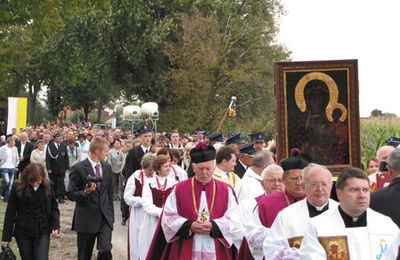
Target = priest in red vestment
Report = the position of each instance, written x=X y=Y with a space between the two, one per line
x=268 y=206
x=195 y=221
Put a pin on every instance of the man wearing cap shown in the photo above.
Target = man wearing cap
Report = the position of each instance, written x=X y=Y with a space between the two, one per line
x=216 y=137
x=251 y=186
x=246 y=154
x=268 y=206
x=226 y=161
x=351 y=230
x=286 y=233
x=132 y=163
x=258 y=141
x=57 y=163
x=200 y=134
x=196 y=214
x=235 y=140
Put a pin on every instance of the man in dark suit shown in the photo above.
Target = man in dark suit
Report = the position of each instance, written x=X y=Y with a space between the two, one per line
x=246 y=154
x=25 y=149
x=387 y=200
x=132 y=163
x=57 y=163
x=94 y=209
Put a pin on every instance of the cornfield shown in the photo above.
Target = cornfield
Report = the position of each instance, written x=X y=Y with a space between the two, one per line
x=374 y=133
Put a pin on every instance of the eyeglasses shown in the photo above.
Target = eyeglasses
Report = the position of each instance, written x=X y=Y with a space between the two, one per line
x=273 y=180
x=315 y=185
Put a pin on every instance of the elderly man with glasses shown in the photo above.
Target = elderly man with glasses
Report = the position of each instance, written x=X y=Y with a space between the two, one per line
x=287 y=231
x=271 y=179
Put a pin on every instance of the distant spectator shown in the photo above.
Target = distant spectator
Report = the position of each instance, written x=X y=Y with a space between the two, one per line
x=8 y=163
x=372 y=165
x=84 y=145
x=25 y=149
x=116 y=158
x=2 y=140
x=74 y=152
x=39 y=155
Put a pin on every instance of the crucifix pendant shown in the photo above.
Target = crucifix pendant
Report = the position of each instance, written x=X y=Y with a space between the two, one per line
x=203 y=216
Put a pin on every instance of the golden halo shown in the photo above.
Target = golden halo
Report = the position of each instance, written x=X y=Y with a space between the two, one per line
x=333 y=94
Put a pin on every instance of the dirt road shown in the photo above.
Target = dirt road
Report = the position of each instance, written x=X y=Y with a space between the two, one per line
x=64 y=247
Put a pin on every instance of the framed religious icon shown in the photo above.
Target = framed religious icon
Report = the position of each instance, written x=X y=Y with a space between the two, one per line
x=317 y=111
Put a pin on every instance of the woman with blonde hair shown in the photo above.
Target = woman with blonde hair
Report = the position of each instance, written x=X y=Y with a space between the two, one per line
x=185 y=160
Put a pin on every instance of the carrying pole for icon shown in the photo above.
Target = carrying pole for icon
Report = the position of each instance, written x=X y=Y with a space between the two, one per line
x=229 y=111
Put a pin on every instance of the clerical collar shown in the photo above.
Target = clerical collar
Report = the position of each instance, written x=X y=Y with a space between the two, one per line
x=351 y=222
x=314 y=211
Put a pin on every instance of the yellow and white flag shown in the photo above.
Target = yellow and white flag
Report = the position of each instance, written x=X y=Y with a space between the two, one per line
x=17 y=112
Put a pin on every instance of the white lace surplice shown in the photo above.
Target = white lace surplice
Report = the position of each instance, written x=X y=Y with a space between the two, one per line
x=203 y=244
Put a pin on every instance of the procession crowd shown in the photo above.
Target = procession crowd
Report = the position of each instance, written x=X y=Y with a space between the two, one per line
x=194 y=196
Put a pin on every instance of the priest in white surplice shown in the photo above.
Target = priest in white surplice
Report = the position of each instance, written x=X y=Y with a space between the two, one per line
x=251 y=186
x=243 y=220
x=287 y=231
x=393 y=251
x=352 y=230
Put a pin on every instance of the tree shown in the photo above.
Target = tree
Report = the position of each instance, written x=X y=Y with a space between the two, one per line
x=376 y=113
x=224 y=55
x=26 y=29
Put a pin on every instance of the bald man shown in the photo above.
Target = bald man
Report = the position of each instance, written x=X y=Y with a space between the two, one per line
x=380 y=178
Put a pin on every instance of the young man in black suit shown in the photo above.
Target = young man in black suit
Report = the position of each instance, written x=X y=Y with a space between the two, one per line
x=94 y=209
x=132 y=163
x=386 y=200
x=57 y=163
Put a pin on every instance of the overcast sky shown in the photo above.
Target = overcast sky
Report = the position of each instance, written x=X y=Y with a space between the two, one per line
x=350 y=29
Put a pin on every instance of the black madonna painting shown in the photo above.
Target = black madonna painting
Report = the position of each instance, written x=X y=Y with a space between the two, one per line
x=317 y=111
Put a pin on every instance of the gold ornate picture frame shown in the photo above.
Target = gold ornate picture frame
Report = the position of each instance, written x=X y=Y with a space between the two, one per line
x=317 y=111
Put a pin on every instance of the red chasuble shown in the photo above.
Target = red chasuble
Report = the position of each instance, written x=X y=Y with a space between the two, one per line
x=181 y=248
x=270 y=205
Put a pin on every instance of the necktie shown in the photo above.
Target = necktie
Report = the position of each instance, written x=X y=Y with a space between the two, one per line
x=97 y=167
x=147 y=150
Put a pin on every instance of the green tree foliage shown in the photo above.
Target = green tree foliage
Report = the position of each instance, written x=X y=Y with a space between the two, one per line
x=188 y=56
x=376 y=112
x=139 y=30
x=79 y=58
x=28 y=29
x=219 y=56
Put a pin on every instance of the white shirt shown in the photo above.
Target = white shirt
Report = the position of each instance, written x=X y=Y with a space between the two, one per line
x=94 y=166
x=22 y=149
x=145 y=150
x=8 y=164
x=224 y=175
x=250 y=187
